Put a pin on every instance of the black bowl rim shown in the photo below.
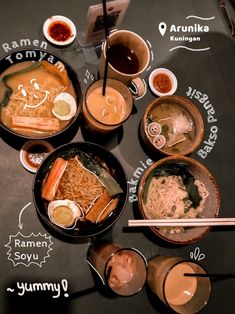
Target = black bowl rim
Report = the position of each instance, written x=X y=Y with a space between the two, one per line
x=78 y=92
x=58 y=230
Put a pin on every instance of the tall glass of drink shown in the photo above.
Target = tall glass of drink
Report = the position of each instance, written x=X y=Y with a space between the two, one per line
x=186 y=294
x=123 y=270
x=104 y=113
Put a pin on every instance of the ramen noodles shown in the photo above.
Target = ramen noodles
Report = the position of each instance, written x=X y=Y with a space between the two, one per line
x=174 y=196
x=81 y=188
x=29 y=95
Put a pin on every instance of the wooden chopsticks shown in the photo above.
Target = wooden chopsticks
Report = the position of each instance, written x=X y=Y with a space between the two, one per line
x=197 y=222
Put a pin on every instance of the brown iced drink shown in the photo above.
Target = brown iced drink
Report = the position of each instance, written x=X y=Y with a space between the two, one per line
x=104 y=113
x=186 y=286
x=183 y=294
x=108 y=109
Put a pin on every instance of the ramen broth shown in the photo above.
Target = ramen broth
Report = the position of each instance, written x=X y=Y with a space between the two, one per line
x=177 y=126
x=28 y=111
x=87 y=182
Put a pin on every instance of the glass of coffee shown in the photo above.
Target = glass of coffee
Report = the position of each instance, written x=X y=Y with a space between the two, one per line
x=123 y=270
x=182 y=293
x=106 y=113
x=128 y=56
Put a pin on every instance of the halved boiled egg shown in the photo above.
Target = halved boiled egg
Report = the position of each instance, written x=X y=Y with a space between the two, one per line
x=65 y=106
x=64 y=213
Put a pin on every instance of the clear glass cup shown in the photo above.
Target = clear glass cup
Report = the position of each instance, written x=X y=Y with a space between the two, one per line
x=129 y=57
x=182 y=294
x=103 y=114
x=123 y=270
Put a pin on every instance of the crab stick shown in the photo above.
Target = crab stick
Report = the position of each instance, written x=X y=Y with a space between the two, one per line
x=37 y=123
x=53 y=180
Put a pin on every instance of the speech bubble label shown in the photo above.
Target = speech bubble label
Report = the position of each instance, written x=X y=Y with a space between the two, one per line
x=27 y=250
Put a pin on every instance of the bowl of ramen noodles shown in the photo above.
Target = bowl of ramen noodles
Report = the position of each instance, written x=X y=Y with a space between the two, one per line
x=172 y=125
x=40 y=94
x=80 y=190
x=178 y=187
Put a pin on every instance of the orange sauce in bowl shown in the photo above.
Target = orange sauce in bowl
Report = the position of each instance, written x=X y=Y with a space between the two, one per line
x=60 y=31
x=162 y=83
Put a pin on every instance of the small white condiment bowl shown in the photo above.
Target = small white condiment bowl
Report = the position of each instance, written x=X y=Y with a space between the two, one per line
x=59 y=18
x=27 y=149
x=172 y=77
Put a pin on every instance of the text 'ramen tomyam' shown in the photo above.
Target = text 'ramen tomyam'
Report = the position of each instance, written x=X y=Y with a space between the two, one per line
x=37 y=99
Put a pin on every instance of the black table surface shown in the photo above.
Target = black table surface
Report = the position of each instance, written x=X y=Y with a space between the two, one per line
x=210 y=70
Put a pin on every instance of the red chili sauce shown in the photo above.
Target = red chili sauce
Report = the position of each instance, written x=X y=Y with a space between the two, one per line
x=162 y=83
x=60 y=31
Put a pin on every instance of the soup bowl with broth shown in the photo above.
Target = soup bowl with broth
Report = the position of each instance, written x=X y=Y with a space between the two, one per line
x=172 y=125
x=80 y=190
x=40 y=94
x=178 y=187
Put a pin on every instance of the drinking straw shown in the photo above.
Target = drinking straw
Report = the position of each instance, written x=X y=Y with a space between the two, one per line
x=106 y=27
x=83 y=292
x=216 y=276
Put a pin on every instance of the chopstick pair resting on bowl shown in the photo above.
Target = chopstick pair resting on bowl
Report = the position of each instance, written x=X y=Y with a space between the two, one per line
x=198 y=222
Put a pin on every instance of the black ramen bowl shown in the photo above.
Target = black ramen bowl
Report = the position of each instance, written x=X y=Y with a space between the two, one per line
x=35 y=56
x=82 y=229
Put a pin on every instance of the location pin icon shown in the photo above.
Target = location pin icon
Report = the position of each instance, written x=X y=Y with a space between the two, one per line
x=162 y=28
